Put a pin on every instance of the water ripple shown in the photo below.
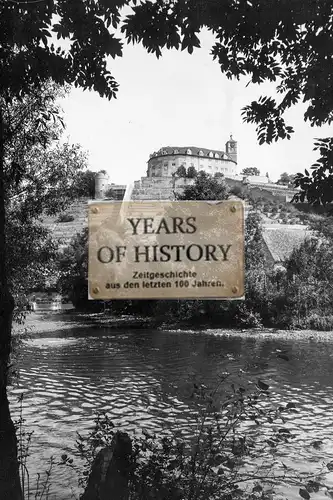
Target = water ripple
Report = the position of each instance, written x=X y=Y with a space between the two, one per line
x=142 y=379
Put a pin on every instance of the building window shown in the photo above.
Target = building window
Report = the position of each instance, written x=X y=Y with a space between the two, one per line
x=201 y=153
x=211 y=154
x=176 y=151
x=188 y=152
x=173 y=163
x=216 y=155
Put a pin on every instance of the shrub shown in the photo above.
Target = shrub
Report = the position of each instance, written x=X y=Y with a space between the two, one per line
x=317 y=321
x=238 y=191
x=208 y=463
x=247 y=318
x=181 y=172
x=191 y=173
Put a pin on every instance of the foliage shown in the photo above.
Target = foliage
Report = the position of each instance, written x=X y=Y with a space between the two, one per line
x=205 y=187
x=317 y=186
x=85 y=184
x=36 y=252
x=73 y=261
x=233 y=425
x=40 y=179
x=49 y=182
x=250 y=171
x=298 y=295
x=247 y=317
x=191 y=173
x=238 y=191
x=110 y=194
x=41 y=488
x=286 y=178
x=181 y=172
x=73 y=271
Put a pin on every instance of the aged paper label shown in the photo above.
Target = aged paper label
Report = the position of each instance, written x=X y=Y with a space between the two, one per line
x=166 y=250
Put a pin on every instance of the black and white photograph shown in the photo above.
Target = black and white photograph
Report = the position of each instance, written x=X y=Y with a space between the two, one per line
x=166 y=249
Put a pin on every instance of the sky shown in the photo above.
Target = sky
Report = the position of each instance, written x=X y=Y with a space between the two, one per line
x=178 y=100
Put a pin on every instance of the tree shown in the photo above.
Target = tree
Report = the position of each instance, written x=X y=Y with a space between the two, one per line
x=29 y=58
x=317 y=187
x=286 y=43
x=37 y=179
x=45 y=185
x=191 y=173
x=250 y=171
x=181 y=172
x=286 y=178
x=73 y=269
x=85 y=184
x=205 y=187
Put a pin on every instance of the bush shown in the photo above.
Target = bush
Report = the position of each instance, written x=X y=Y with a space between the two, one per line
x=181 y=172
x=246 y=318
x=317 y=321
x=238 y=191
x=208 y=463
x=191 y=173
x=65 y=218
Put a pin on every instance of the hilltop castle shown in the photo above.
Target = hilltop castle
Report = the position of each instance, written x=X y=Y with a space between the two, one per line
x=160 y=180
x=166 y=161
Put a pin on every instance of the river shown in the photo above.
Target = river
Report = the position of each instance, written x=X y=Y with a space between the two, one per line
x=69 y=371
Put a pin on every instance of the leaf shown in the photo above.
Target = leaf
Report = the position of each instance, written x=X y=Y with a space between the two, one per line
x=304 y=493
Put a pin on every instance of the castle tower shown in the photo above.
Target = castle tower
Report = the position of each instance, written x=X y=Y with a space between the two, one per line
x=231 y=149
x=101 y=185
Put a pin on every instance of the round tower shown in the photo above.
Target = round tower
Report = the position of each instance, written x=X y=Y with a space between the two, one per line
x=101 y=185
x=231 y=149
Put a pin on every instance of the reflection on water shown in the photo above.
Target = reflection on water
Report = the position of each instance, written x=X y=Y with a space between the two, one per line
x=142 y=378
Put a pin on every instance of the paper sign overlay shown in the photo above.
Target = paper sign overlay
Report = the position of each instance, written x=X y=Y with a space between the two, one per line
x=166 y=250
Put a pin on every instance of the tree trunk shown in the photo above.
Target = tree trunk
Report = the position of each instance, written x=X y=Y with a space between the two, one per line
x=10 y=488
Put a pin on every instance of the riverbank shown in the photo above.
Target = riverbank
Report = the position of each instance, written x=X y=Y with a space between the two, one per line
x=43 y=322
x=143 y=379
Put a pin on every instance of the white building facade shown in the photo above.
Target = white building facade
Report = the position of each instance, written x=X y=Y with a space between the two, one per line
x=166 y=161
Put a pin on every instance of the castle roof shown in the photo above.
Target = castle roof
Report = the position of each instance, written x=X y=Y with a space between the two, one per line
x=191 y=151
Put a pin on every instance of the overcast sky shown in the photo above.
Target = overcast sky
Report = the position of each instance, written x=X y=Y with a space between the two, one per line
x=178 y=100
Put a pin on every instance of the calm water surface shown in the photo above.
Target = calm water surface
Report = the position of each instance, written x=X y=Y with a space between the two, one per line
x=142 y=378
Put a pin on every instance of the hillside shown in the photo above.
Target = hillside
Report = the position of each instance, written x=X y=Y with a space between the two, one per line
x=65 y=231
x=284 y=225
